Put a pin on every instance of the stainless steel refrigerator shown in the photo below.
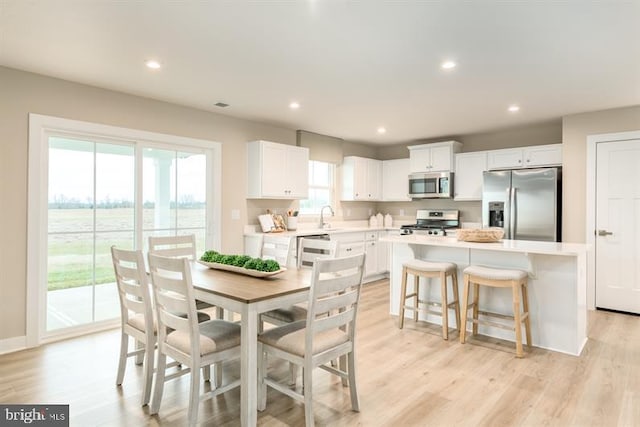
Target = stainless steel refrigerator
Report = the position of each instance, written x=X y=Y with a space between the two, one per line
x=527 y=203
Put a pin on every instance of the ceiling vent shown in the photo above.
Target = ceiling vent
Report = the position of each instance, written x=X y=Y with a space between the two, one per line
x=221 y=104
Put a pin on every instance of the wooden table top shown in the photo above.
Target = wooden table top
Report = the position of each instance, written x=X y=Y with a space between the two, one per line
x=248 y=289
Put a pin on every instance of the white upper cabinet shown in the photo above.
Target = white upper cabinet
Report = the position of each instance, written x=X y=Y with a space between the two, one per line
x=468 y=175
x=436 y=157
x=395 y=180
x=361 y=178
x=525 y=157
x=543 y=155
x=277 y=171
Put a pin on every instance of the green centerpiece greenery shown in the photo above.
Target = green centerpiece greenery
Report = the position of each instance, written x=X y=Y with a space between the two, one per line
x=245 y=261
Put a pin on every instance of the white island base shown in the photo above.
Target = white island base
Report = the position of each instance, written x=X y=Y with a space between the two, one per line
x=557 y=284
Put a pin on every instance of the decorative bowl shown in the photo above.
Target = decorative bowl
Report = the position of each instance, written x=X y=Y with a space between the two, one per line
x=242 y=270
x=484 y=235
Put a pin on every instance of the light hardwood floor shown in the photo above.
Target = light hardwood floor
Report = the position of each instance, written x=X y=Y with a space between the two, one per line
x=408 y=377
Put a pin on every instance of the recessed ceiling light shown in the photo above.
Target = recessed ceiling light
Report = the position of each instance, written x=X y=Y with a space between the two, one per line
x=294 y=105
x=447 y=65
x=382 y=130
x=153 y=64
x=513 y=108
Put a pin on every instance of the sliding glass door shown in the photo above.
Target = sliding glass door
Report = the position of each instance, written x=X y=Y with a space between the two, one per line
x=173 y=194
x=103 y=193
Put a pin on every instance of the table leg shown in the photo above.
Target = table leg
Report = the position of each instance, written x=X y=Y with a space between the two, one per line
x=249 y=367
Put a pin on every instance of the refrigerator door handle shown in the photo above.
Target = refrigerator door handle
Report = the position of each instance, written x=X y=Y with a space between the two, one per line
x=513 y=201
x=507 y=215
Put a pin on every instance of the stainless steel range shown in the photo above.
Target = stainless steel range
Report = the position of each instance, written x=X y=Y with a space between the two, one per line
x=433 y=222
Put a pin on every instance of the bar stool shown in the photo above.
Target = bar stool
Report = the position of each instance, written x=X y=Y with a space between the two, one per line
x=427 y=269
x=497 y=278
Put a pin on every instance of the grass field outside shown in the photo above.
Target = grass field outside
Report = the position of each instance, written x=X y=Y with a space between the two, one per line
x=71 y=256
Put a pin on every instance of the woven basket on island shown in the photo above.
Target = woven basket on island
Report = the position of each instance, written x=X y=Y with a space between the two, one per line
x=484 y=235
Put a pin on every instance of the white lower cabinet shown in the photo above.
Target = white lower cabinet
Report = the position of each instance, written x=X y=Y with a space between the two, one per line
x=376 y=260
x=383 y=253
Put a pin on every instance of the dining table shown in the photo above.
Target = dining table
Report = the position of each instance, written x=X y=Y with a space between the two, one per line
x=249 y=296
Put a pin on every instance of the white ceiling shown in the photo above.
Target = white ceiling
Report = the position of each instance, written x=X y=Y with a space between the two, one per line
x=352 y=65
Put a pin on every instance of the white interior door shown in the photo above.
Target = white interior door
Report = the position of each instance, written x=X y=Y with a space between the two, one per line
x=618 y=226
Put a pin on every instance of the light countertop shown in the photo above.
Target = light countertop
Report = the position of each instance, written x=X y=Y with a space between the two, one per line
x=518 y=246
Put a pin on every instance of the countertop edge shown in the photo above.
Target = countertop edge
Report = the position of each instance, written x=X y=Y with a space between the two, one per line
x=519 y=246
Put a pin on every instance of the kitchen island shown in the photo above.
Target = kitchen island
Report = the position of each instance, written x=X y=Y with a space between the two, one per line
x=557 y=283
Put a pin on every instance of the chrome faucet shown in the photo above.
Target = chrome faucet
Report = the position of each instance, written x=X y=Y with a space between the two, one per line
x=322 y=223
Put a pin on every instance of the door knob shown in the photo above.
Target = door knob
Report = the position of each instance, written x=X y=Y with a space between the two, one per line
x=604 y=233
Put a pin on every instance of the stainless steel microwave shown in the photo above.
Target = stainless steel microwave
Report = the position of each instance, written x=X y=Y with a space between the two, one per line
x=438 y=185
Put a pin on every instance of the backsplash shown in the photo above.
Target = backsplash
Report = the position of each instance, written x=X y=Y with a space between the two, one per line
x=353 y=211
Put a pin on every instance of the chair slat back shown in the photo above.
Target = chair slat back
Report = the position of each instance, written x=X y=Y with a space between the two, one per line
x=132 y=283
x=276 y=248
x=174 y=298
x=334 y=296
x=183 y=246
x=310 y=250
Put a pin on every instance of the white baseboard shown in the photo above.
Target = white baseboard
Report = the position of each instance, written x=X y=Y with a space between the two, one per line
x=9 y=345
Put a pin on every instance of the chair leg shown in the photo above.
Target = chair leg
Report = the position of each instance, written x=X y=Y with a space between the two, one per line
x=293 y=373
x=206 y=373
x=308 y=396
x=262 y=373
x=517 y=319
x=148 y=370
x=465 y=308
x=476 y=304
x=527 y=320
x=344 y=367
x=353 y=391
x=122 y=363
x=218 y=374
x=194 y=395
x=159 y=387
x=416 y=288
x=445 y=306
x=139 y=356
x=456 y=296
x=403 y=293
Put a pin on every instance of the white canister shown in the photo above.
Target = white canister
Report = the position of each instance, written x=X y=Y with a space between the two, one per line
x=388 y=221
x=292 y=222
x=379 y=220
x=373 y=221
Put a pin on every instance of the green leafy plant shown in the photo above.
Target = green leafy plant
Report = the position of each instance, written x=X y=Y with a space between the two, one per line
x=244 y=261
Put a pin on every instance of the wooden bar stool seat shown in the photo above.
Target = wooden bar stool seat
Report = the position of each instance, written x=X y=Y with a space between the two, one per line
x=427 y=269
x=497 y=278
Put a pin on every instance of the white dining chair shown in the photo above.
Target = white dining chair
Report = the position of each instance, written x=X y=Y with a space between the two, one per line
x=309 y=250
x=181 y=246
x=276 y=248
x=327 y=333
x=136 y=315
x=137 y=318
x=193 y=344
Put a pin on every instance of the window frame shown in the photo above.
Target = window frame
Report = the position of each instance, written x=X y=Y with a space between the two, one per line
x=40 y=128
x=331 y=187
